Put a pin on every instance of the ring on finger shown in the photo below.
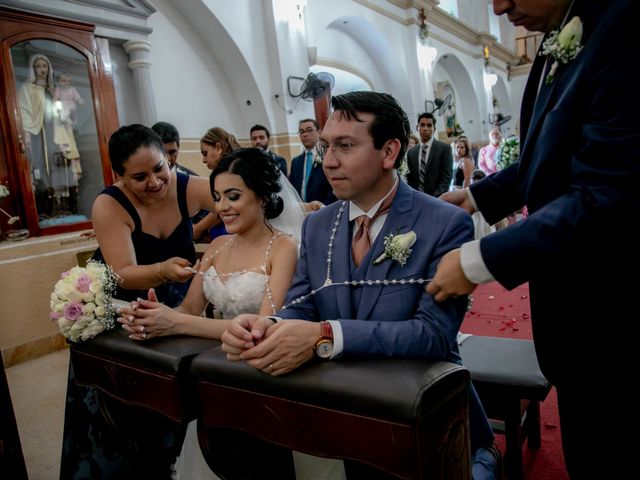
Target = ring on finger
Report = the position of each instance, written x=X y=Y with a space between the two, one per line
x=144 y=336
x=271 y=367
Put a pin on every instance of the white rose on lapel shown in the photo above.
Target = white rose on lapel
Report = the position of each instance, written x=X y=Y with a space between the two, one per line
x=563 y=46
x=397 y=247
x=317 y=158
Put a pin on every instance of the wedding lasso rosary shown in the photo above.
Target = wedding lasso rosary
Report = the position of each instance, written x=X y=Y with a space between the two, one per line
x=352 y=283
x=329 y=282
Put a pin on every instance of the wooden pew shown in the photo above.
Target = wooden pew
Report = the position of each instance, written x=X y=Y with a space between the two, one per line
x=408 y=418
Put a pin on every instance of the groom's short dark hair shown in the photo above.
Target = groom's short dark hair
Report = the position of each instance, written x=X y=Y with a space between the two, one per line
x=390 y=120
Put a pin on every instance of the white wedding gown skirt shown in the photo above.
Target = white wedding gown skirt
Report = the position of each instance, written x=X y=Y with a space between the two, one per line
x=242 y=293
x=191 y=464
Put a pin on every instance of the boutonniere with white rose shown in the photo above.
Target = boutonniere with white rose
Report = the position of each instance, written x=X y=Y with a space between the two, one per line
x=397 y=247
x=563 y=46
x=317 y=159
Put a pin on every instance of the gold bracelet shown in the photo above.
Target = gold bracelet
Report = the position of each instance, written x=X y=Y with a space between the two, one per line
x=162 y=277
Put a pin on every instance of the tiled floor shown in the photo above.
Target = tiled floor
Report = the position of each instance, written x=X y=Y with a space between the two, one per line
x=38 y=389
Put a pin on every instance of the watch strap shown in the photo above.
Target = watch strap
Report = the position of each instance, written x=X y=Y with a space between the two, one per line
x=326 y=331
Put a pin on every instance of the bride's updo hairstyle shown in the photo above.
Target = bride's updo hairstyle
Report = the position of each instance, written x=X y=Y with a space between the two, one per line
x=259 y=173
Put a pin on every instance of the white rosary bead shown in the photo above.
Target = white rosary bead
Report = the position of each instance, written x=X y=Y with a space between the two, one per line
x=355 y=283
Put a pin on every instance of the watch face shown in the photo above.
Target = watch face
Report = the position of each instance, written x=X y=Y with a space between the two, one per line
x=324 y=348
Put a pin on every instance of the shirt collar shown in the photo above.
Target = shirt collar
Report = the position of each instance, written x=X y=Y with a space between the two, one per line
x=355 y=211
x=429 y=143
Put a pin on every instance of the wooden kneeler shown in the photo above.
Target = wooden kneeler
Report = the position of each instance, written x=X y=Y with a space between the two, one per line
x=407 y=418
x=153 y=374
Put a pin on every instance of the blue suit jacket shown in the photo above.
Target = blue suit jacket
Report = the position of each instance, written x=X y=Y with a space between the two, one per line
x=318 y=188
x=392 y=320
x=578 y=174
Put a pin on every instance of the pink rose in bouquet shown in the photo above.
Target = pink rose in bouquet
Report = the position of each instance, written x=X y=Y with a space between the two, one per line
x=82 y=301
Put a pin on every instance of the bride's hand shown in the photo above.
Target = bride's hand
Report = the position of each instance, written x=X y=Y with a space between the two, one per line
x=147 y=319
x=246 y=331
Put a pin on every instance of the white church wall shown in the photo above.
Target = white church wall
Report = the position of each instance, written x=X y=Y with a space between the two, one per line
x=190 y=86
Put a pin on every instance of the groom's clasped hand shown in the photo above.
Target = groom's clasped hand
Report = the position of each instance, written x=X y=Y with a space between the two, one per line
x=274 y=347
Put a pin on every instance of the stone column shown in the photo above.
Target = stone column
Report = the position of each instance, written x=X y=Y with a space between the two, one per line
x=138 y=51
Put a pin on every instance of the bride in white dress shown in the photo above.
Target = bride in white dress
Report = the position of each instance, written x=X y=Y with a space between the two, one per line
x=247 y=271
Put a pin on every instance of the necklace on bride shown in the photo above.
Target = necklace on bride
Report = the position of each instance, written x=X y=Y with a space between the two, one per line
x=246 y=270
x=350 y=283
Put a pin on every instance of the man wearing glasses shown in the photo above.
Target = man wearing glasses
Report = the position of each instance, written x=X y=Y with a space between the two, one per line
x=307 y=175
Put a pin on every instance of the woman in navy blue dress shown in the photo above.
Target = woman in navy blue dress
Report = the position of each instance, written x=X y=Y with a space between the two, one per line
x=143 y=227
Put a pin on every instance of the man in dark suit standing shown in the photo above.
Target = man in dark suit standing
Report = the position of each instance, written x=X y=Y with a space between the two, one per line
x=578 y=175
x=430 y=162
x=170 y=137
x=260 y=137
x=307 y=176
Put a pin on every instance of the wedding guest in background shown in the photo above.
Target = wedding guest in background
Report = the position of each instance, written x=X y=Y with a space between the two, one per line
x=487 y=154
x=214 y=145
x=306 y=174
x=170 y=137
x=143 y=227
x=430 y=163
x=578 y=173
x=260 y=137
x=341 y=242
x=463 y=164
x=473 y=150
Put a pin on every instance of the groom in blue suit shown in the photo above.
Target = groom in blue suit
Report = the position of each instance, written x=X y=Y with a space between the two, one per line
x=363 y=144
x=578 y=174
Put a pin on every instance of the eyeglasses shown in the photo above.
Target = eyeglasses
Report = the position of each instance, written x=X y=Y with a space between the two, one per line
x=306 y=130
x=339 y=148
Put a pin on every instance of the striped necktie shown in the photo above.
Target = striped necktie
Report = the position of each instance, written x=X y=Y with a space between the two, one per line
x=423 y=165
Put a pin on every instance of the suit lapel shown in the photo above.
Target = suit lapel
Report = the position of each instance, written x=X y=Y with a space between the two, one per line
x=540 y=108
x=530 y=93
x=412 y=160
x=399 y=219
x=430 y=159
x=341 y=264
x=297 y=172
x=536 y=102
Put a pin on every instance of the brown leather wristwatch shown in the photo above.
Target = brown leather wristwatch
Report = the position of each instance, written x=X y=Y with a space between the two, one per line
x=324 y=345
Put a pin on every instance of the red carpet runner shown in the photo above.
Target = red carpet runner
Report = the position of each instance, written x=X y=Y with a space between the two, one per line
x=497 y=312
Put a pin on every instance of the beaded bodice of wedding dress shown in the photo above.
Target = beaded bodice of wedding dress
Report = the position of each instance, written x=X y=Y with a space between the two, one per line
x=234 y=293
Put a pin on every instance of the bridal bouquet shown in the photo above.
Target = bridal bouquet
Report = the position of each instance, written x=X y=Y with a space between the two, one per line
x=82 y=301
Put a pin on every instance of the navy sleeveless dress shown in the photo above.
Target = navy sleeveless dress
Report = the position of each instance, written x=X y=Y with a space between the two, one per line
x=91 y=448
x=150 y=249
